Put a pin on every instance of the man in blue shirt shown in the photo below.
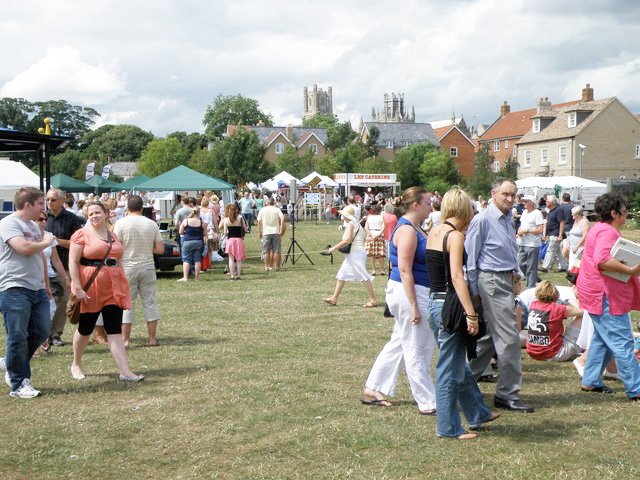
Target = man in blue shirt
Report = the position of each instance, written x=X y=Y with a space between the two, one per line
x=246 y=204
x=553 y=234
x=494 y=277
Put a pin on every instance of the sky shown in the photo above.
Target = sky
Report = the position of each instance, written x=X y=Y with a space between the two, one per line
x=159 y=64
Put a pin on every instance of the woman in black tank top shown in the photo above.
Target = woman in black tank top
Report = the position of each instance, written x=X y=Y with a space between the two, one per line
x=455 y=384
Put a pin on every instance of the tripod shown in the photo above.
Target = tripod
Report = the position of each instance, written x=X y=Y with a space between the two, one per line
x=291 y=251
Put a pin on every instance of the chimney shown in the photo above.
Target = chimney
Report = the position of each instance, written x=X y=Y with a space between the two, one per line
x=544 y=104
x=587 y=93
x=289 y=132
x=504 y=109
x=260 y=123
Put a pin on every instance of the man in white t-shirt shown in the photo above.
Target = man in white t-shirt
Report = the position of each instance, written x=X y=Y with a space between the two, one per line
x=24 y=289
x=141 y=238
x=271 y=227
x=529 y=240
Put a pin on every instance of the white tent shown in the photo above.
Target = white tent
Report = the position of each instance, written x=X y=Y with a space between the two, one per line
x=272 y=183
x=582 y=190
x=14 y=176
x=325 y=181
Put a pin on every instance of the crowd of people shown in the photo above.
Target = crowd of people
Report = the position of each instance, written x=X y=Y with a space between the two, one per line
x=456 y=274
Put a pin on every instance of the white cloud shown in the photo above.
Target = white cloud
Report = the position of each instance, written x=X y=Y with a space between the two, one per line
x=62 y=74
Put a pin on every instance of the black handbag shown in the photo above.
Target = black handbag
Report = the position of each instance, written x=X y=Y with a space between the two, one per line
x=453 y=314
x=347 y=248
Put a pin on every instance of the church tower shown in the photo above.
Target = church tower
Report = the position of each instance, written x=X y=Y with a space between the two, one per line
x=318 y=101
x=393 y=110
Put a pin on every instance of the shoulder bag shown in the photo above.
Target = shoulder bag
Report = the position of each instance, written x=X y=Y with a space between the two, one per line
x=347 y=248
x=73 y=304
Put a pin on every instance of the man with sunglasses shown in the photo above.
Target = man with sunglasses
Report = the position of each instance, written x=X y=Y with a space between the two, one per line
x=62 y=224
x=24 y=289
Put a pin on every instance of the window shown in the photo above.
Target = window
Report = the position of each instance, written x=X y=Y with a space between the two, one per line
x=496 y=166
x=506 y=144
x=389 y=143
x=544 y=156
x=562 y=155
x=496 y=146
x=571 y=120
x=454 y=152
x=638 y=151
x=536 y=126
x=527 y=158
x=314 y=148
x=515 y=152
x=279 y=148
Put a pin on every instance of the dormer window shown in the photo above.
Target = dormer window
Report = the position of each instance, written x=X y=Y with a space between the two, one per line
x=536 y=126
x=389 y=143
x=572 y=120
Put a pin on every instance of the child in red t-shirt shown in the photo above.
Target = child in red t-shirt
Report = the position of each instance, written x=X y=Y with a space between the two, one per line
x=546 y=338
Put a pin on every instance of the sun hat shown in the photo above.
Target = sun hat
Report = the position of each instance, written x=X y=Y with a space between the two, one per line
x=348 y=212
x=530 y=198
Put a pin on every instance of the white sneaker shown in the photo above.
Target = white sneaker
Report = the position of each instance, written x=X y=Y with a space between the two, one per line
x=611 y=375
x=3 y=366
x=579 y=367
x=7 y=378
x=25 y=390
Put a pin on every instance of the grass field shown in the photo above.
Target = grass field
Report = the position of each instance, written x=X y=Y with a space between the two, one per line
x=258 y=379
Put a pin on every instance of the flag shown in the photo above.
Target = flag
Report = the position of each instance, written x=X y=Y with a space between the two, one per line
x=89 y=172
x=105 y=171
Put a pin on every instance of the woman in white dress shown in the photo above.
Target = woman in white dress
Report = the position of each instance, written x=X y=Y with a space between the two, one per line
x=354 y=266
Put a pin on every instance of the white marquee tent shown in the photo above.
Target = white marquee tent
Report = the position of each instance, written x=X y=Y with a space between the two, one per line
x=14 y=176
x=582 y=190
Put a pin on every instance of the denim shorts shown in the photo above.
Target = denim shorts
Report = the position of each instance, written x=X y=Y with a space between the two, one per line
x=192 y=251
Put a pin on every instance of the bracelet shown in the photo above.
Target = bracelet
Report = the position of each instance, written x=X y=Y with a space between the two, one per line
x=475 y=315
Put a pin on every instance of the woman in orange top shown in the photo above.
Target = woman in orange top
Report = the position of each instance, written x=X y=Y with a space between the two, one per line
x=108 y=294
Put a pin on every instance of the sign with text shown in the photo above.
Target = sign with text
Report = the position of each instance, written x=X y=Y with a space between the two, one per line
x=365 y=178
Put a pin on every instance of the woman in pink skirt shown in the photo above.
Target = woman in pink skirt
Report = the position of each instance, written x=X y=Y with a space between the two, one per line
x=234 y=229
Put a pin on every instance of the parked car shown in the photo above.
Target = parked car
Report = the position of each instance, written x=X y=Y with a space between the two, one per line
x=168 y=260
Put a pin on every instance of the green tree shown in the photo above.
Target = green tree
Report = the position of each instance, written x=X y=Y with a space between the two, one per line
x=328 y=165
x=15 y=113
x=320 y=120
x=67 y=119
x=202 y=161
x=370 y=147
x=191 y=141
x=349 y=157
x=298 y=165
x=373 y=165
x=232 y=110
x=510 y=170
x=339 y=136
x=239 y=159
x=407 y=162
x=68 y=162
x=483 y=175
x=439 y=171
x=116 y=143
x=162 y=155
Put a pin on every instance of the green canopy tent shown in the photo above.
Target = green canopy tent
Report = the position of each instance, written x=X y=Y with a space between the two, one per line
x=130 y=184
x=101 y=185
x=69 y=184
x=183 y=178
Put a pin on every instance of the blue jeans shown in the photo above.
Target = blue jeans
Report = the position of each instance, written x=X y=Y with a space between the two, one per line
x=248 y=217
x=192 y=251
x=27 y=322
x=612 y=335
x=455 y=385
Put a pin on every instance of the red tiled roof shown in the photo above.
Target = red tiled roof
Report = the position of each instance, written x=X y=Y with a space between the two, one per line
x=515 y=124
x=442 y=131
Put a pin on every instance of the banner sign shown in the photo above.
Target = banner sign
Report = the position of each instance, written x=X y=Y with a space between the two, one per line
x=89 y=172
x=105 y=171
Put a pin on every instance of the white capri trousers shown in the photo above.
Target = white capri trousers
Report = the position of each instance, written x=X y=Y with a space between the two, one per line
x=410 y=346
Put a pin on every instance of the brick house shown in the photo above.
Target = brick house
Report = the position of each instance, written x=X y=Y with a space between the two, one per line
x=395 y=136
x=502 y=135
x=460 y=147
x=595 y=139
x=276 y=139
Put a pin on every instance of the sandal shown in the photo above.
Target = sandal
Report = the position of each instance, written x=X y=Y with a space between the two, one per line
x=376 y=402
x=328 y=300
x=370 y=305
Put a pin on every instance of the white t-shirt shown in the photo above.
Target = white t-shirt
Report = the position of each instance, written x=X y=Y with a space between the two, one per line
x=17 y=270
x=269 y=217
x=529 y=221
x=138 y=235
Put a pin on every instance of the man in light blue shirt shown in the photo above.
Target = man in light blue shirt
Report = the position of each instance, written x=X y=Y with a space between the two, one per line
x=494 y=276
x=246 y=204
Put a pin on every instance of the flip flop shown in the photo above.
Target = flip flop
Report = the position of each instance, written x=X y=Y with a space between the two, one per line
x=431 y=413
x=374 y=402
x=370 y=305
x=326 y=300
x=157 y=344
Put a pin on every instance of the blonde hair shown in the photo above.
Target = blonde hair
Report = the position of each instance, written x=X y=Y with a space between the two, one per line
x=546 y=292
x=195 y=213
x=204 y=203
x=456 y=203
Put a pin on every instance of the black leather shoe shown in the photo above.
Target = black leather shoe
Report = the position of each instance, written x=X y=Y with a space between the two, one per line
x=602 y=389
x=515 y=405
x=488 y=378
